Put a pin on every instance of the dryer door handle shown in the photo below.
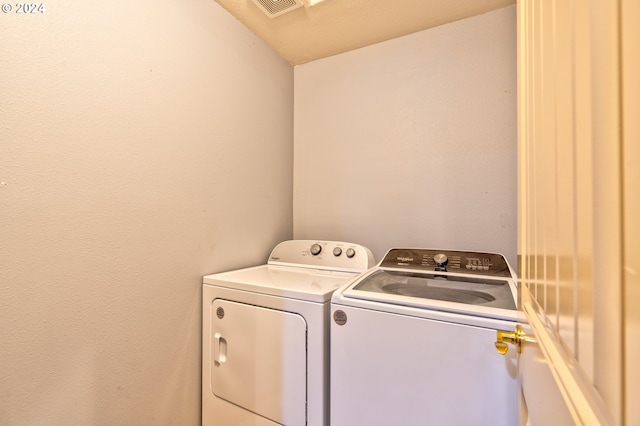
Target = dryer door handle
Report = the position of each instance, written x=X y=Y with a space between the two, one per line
x=219 y=348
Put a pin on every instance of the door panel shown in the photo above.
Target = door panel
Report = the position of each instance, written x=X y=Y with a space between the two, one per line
x=259 y=360
x=570 y=207
x=541 y=403
x=552 y=383
x=630 y=13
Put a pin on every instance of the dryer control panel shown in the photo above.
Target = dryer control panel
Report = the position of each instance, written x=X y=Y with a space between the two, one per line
x=326 y=255
x=437 y=260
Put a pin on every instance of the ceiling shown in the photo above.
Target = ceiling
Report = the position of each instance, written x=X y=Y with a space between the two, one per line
x=322 y=28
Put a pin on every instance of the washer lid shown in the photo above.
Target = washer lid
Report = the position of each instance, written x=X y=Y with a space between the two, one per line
x=482 y=296
x=283 y=281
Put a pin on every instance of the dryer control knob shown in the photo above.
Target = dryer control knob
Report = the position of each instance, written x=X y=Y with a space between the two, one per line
x=440 y=259
x=351 y=252
x=316 y=249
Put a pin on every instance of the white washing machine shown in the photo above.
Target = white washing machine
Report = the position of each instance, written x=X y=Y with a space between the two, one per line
x=412 y=342
x=265 y=334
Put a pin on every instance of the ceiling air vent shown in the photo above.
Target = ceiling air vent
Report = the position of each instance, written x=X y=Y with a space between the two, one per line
x=273 y=8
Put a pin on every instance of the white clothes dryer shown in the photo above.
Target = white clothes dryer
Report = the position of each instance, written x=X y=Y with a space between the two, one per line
x=412 y=342
x=265 y=334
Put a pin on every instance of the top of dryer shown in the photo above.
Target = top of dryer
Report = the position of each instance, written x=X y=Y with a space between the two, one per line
x=308 y=270
x=326 y=255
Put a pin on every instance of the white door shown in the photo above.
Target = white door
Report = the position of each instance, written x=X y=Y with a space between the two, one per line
x=259 y=360
x=579 y=180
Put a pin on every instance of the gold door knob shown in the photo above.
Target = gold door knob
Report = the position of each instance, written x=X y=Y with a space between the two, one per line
x=514 y=337
x=502 y=347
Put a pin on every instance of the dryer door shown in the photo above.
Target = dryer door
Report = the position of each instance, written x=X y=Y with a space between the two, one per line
x=259 y=360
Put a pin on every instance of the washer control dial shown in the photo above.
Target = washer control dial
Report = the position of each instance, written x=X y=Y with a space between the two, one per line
x=440 y=259
x=350 y=252
x=316 y=249
x=337 y=251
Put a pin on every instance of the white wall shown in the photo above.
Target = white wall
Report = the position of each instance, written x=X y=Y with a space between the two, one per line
x=412 y=142
x=143 y=144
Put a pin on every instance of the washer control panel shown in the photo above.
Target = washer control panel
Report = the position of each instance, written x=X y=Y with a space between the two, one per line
x=435 y=260
x=333 y=255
